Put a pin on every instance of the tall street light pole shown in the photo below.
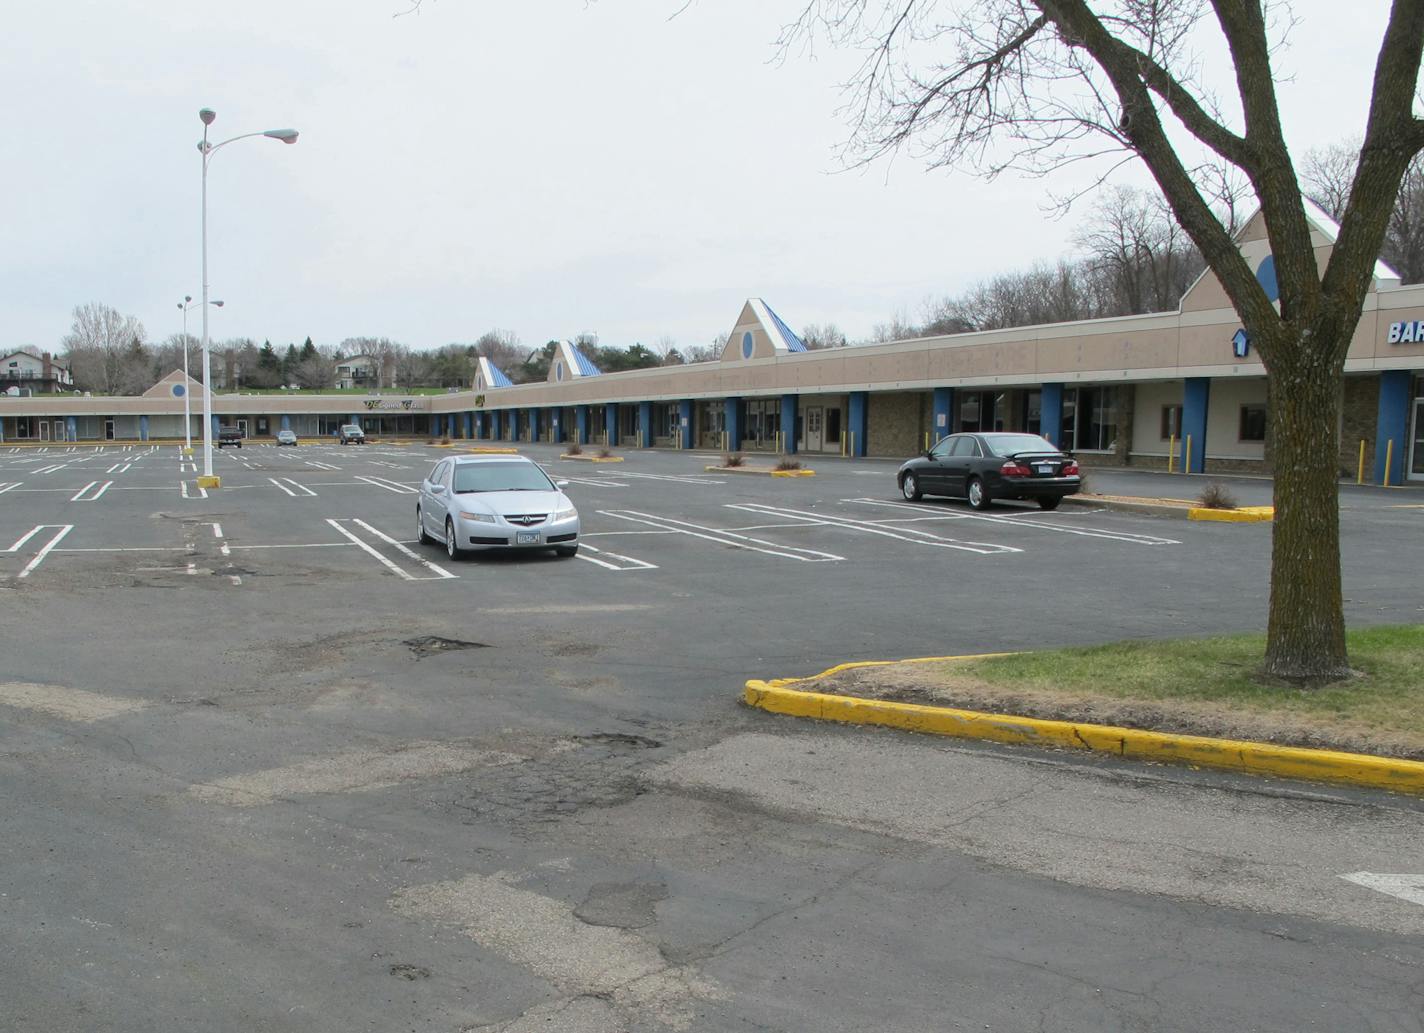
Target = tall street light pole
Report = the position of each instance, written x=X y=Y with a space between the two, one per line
x=207 y=480
x=185 y=305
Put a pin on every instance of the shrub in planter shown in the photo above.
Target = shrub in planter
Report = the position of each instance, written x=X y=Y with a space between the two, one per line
x=734 y=459
x=574 y=449
x=1215 y=496
x=605 y=452
x=789 y=464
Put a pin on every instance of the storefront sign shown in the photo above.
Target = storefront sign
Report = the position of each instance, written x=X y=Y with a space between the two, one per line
x=389 y=403
x=1407 y=333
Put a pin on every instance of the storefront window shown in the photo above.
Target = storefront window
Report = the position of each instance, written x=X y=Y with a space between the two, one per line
x=1253 y=423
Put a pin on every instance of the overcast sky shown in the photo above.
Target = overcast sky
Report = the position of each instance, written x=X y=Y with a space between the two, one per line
x=549 y=167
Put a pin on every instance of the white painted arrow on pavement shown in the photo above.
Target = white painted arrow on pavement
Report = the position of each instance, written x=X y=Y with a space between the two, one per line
x=1405 y=887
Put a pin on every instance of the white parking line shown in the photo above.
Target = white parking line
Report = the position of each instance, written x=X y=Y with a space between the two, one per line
x=291 y=487
x=322 y=466
x=591 y=483
x=722 y=537
x=82 y=495
x=9 y=486
x=183 y=488
x=381 y=482
x=1085 y=532
x=908 y=534
x=631 y=563
x=52 y=468
x=675 y=478
x=45 y=549
x=440 y=572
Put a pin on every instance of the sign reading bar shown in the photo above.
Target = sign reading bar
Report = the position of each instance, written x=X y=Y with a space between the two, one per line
x=1407 y=332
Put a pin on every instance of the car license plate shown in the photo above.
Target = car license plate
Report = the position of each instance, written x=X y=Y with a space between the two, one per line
x=1044 y=467
x=526 y=537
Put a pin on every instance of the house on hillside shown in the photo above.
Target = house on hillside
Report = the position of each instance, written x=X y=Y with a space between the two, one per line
x=41 y=373
x=359 y=371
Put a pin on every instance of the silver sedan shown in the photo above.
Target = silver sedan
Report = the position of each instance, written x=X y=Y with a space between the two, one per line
x=495 y=502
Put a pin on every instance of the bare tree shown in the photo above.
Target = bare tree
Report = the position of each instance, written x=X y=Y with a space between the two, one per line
x=1328 y=173
x=816 y=336
x=1036 y=85
x=1136 y=245
x=103 y=347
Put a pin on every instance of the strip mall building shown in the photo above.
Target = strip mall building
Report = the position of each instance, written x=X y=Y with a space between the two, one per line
x=1181 y=386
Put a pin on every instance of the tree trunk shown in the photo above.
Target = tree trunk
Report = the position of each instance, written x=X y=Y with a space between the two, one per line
x=1305 y=638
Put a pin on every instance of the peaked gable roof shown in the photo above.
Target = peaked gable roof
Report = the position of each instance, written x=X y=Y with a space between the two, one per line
x=488 y=375
x=760 y=333
x=570 y=363
x=174 y=386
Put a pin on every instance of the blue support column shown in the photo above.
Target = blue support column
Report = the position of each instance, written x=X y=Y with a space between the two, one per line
x=533 y=425
x=470 y=426
x=556 y=425
x=1196 y=399
x=1050 y=414
x=1392 y=425
x=732 y=412
x=72 y=428
x=286 y=423
x=581 y=424
x=142 y=428
x=943 y=407
x=788 y=424
x=684 y=422
x=859 y=421
x=645 y=424
x=610 y=423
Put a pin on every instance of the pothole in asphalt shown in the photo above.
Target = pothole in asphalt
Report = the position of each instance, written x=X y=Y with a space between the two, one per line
x=430 y=645
x=410 y=972
x=617 y=739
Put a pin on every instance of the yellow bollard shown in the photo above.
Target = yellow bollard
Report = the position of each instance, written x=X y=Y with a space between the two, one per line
x=1172 y=453
x=1187 y=456
x=1388 y=460
x=1360 y=475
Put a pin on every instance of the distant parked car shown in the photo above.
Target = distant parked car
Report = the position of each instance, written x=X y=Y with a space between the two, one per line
x=351 y=434
x=495 y=502
x=229 y=436
x=286 y=437
x=989 y=466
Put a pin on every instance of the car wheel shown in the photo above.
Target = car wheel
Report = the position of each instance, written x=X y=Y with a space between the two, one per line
x=566 y=551
x=1049 y=501
x=910 y=487
x=420 y=534
x=451 y=549
x=978 y=494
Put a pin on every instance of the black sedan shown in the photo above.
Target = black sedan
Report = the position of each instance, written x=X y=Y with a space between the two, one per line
x=989 y=466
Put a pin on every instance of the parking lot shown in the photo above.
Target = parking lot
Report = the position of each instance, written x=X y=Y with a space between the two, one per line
x=267 y=763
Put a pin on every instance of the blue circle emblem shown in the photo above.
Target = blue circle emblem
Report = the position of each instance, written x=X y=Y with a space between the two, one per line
x=1266 y=277
x=179 y=390
x=747 y=344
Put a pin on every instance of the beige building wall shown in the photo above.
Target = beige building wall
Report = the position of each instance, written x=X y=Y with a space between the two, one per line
x=1223 y=423
x=1147 y=437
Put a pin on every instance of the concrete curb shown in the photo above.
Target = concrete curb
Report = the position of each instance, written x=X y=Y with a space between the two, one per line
x=1243 y=515
x=1173 y=509
x=760 y=471
x=480 y=451
x=592 y=459
x=1254 y=758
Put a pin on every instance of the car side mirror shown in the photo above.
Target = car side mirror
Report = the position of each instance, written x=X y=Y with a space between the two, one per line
x=438 y=489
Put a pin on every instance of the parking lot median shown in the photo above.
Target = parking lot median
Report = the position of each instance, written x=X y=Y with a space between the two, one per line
x=1195 y=702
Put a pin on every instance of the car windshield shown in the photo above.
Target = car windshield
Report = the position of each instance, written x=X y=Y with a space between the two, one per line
x=1016 y=444
x=476 y=477
x=351 y=428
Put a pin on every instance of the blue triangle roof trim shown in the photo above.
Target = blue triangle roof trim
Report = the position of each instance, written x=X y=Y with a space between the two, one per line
x=585 y=368
x=793 y=343
x=497 y=374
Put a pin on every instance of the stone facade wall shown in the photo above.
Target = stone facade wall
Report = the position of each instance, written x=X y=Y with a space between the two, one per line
x=895 y=423
x=1359 y=421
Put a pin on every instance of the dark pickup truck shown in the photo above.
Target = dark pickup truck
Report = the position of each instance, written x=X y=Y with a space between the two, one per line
x=229 y=436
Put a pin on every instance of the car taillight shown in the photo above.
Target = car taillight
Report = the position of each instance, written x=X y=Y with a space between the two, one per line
x=1070 y=469
x=1015 y=469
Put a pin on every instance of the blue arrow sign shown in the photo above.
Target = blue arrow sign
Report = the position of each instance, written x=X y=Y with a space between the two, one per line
x=1240 y=343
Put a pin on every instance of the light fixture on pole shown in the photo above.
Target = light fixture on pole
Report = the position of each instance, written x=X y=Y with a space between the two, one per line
x=207 y=115
x=185 y=305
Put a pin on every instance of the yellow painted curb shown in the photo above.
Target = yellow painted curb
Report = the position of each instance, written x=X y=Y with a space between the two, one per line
x=480 y=451
x=210 y=482
x=592 y=459
x=1244 y=515
x=1255 y=758
x=763 y=471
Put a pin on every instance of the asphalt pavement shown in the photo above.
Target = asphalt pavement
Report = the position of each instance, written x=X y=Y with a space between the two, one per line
x=268 y=764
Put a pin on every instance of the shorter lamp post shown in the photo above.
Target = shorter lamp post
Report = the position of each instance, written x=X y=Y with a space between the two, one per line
x=185 y=305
